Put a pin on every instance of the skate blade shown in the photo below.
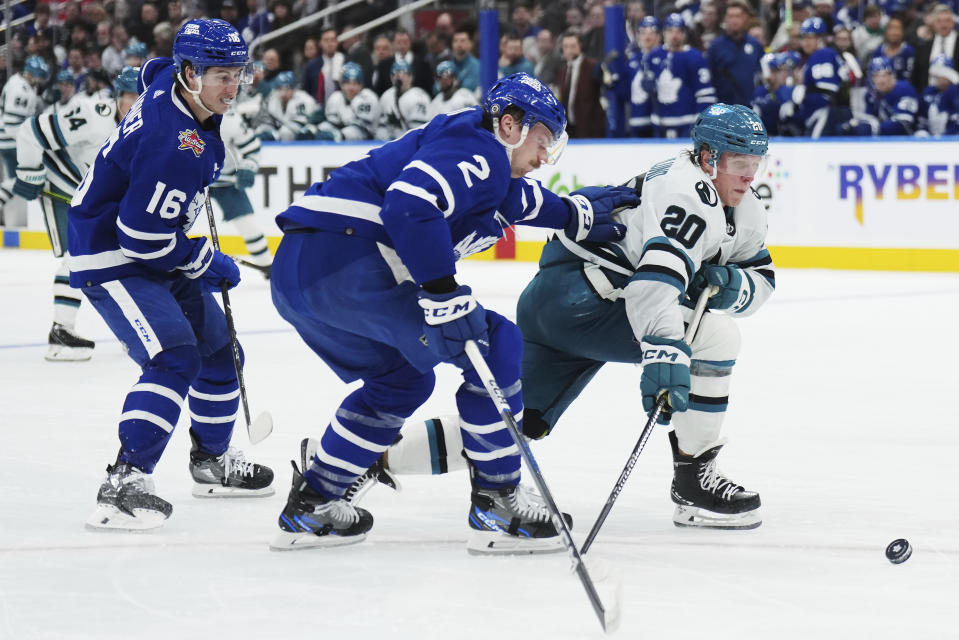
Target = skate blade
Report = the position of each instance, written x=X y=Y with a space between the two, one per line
x=59 y=353
x=289 y=541
x=201 y=490
x=494 y=543
x=108 y=518
x=694 y=517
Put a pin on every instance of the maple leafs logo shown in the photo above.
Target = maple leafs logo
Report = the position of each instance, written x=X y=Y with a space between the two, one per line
x=667 y=87
x=189 y=139
x=472 y=244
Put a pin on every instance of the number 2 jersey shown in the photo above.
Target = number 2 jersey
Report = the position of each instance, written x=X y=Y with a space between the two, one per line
x=680 y=225
x=130 y=215
x=439 y=193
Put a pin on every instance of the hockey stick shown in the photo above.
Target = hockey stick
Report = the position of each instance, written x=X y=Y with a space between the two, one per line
x=265 y=270
x=260 y=428
x=51 y=194
x=648 y=429
x=608 y=617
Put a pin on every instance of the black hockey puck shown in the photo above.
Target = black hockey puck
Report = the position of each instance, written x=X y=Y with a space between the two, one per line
x=898 y=551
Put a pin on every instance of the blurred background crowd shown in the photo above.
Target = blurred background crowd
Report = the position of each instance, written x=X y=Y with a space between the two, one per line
x=808 y=67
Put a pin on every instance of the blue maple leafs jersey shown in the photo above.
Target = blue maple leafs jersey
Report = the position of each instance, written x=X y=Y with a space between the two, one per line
x=640 y=104
x=682 y=84
x=893 y=114
x=131 y=213
x=939 y=111
x=821 y=80
x=437 y=194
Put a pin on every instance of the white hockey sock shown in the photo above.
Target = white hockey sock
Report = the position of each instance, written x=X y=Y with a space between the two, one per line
x=66 y=301
x=431 y=447
x=254 y=239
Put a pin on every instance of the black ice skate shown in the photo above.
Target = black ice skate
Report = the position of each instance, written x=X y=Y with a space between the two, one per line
x=704 y=497
x=310 y=520
x=126 y=501
x=378 y=473
x=66 y=346
x=229 y=475
x=511 y=520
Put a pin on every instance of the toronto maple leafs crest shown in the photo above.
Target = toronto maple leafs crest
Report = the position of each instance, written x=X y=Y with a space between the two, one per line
x=189 y=139
x=472 y=244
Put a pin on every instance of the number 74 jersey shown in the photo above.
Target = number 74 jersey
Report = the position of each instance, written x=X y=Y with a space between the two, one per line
x=680 y=225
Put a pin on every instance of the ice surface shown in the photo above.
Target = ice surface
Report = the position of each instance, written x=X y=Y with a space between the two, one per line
x=842 y=416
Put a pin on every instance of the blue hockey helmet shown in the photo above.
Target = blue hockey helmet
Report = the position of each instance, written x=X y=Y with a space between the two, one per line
x=137 y=50
x=538 y=104
x=284 y=79
x=352 y=72
x=37 y=67
x=812 y=27
x=649 y=22
x=401 y=66
x=730 y=128
x=126 y=82
x=446 y=68
x=789 y=59
x=211 y=43
x=674 y=21
x=942 y=67
x=880 y=64
x=65 y=76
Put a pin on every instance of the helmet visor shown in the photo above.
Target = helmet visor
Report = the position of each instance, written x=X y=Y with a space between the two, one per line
x=228 y=76
x=741 y=164
x=541 y=136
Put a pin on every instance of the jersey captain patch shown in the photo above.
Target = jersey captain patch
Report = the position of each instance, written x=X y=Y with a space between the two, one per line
x=189 y=139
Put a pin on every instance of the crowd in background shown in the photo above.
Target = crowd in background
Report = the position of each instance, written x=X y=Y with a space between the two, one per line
x=870 y=64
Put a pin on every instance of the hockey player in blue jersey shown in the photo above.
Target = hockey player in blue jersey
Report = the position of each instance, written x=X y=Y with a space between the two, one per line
x=770 y=97
x=817 y=98
x=366 y=274
x=130 y=255
x=683 y=84
x=891 y=104
x=641 y=79
x=939 y=102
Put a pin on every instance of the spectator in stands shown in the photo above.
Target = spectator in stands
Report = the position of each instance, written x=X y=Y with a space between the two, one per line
x=271 y=69
x=321 y=76
x=437 y=49
x=467 y=66
x=403 y=51
x=307 y=54
x=163 y=40
x=707 y=27
x=939 y=103
x=734 y=56
x=115 y=53
x=174 y=14
x=635 y=12
x=76 y=57
x=522 y=26
x=786 y=35
x=383 y=64
x=575 y=19
x=444 y=25
x=282 y=16
x=580 y=90
x=868 y=36
x=256 y=22
x=850 y=14
x=594 y=32
x=355 y=50
x=512 y=59
x=943 y=43
x=142 y=29
x=895 y=47
x=548 y=60
x=229 y=12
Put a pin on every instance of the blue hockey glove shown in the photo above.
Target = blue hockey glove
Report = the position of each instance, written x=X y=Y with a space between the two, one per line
x=735 y=290
x=245 y=178
x=210 y=266
x=450 y=320
x=592 y=208
x=29 y=182
x=665 y=368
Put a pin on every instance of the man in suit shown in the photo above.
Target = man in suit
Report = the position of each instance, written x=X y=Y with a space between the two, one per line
x=943 y=43
x=422 y=71
x=580 y=87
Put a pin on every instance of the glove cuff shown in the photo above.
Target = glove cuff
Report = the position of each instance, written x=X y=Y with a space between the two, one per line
x=581 y=217
x=436 y=312
x=199 y=259
x=664 y=351
x=32 y=175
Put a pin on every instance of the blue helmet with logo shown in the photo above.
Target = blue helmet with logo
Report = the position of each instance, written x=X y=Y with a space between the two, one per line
x=649 y=22
x=538 y=103
x=879 y=64
x=137 y=50
x=674 y=21
x=126 y=82
x=209 y=43
x=401 y=66
x=352 y=72
x=284 y=79
x=37 y=67
x=446 y=68
x=729 y=127
x=789 y=59
x=812 y=27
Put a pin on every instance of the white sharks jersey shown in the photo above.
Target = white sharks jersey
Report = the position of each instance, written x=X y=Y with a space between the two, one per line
x=356 y=119
x=292 y=120
x=65 y=142
x=242 y=147
x=460 y=99
x=399 y=116
x=18 y=101
x=680 y=225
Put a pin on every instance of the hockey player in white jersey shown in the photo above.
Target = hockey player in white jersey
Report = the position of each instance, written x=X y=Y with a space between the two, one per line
x=63 y=90
x=451 y=96
x=353 y=112
x=699 y=224
x=18 y=101
x=229 y=191
x=402 y=106
x=366 y=273
x=289 y=112
x=54 y=151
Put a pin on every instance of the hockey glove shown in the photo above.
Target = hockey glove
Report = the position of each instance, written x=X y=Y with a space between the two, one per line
x=29 y=182
x=665 y=368
x=210 y=266
x=245 y=178
x=735 y=289
x=450 y=320
x=592 y=208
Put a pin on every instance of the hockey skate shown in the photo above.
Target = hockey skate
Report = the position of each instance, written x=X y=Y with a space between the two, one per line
x=511 y=520
x=66 y=346
x=310 y=520
x=126 y=501
x=704 y=497
x=229 y=475
x=378 y=473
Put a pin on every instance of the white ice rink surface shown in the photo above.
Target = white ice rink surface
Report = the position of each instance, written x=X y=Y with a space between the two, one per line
x=842 y=415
